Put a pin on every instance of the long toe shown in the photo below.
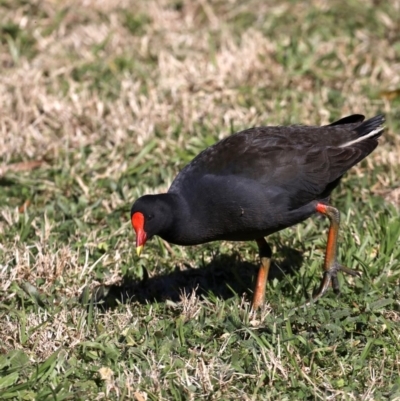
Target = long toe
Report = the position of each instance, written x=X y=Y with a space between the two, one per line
x=335 y=285
x=324 y=286
x=352 y=272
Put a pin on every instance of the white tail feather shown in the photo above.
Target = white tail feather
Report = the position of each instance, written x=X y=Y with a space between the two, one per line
x=362 y=138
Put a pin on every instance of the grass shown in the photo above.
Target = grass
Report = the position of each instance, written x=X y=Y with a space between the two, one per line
x=101 y=102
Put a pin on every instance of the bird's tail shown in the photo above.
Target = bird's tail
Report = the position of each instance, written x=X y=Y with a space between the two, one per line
x=371 y=128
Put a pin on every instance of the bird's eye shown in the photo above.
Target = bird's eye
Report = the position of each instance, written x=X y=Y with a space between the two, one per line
x=150 y=217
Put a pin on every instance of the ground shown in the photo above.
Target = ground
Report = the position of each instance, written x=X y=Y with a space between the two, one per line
x=103 y=101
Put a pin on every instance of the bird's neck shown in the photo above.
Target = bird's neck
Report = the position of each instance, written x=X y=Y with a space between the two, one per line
x=177 y=220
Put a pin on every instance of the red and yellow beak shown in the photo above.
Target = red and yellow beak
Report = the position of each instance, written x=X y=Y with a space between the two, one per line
x=141 y=236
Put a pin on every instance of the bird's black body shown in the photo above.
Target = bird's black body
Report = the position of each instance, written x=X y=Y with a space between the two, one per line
x=257 y=182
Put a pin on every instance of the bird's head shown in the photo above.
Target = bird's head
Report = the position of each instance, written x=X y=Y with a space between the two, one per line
x=150 y=215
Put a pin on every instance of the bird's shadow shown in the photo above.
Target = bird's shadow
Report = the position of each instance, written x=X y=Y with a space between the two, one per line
x=224 y=276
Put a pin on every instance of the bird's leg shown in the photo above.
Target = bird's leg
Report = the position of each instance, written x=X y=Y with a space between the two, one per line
x=331 y=265
x=262 y=276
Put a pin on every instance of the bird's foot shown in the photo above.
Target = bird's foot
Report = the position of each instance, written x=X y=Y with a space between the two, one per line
x=329 y=279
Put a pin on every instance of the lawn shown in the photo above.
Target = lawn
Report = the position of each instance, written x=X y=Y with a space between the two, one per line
x=103 y=101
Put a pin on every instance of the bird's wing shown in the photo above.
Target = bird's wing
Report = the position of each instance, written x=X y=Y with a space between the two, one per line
x=306 y=161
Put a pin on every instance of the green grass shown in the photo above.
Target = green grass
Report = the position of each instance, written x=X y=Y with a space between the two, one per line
x=112 y=101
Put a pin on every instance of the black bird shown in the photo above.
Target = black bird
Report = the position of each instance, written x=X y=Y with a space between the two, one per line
x=257 y=182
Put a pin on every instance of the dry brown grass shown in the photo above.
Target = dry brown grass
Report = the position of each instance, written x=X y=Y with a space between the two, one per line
x=189 y=80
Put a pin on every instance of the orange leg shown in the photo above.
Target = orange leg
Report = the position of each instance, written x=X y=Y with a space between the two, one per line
x=262 y=276
x=331 y=266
